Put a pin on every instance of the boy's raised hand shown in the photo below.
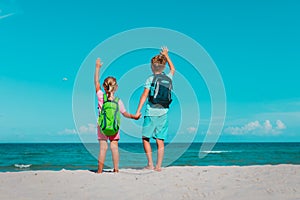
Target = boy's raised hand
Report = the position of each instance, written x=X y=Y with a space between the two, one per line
x=164 y=51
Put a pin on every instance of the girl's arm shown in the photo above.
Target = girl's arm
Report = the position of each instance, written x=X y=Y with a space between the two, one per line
x=130 y=116
x=142 y=101
x=96 y=76
x=165 y=52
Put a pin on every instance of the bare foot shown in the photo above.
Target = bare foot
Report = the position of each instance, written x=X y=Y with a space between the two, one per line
x=158 y=169
x=149 y=167
x=116 y=170
x=100 y=167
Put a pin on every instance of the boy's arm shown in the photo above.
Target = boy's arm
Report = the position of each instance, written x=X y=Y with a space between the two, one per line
x=165 y=52
x=142 y=101
x=96 y=76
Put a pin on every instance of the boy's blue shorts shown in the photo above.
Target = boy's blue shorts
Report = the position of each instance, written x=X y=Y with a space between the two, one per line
x=155 y=127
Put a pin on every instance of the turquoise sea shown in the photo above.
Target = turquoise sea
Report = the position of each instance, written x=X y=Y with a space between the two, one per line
x=73 y=156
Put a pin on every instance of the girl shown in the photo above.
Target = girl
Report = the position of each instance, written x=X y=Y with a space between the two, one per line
x=110 y=86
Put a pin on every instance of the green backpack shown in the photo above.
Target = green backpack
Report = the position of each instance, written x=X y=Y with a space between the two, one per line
x=109 y=117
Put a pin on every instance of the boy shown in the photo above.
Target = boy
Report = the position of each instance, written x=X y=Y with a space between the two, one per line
x=156 y=119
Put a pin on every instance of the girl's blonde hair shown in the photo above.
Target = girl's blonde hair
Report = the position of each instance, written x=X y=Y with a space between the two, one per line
x=110 y=85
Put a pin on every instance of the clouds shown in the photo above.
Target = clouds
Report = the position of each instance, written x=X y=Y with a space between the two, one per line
x=191 y=129
x=65 y=79
x=90 y=128
x=5 y=16
x=257 y=128
x=8 y=8
x=68 y=131
x=280 y=125
x=85 y=129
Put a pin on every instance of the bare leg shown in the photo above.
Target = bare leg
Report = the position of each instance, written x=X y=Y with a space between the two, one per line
x=160 y=154
x=115 y=154
x=102 y=154
x=148 y=151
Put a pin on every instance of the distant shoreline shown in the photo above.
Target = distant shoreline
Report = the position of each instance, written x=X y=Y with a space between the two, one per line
x=140 y=142
x=76 y=156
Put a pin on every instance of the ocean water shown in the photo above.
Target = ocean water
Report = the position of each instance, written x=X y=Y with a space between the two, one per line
x=19 y=157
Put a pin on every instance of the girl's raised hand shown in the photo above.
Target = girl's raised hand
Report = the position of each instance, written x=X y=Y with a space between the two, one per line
x=98 y=63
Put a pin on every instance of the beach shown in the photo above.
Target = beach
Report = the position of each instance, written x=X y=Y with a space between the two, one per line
x=198 y=182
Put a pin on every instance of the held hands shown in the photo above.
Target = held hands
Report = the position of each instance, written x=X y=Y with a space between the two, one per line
x=98 y=63
x=137 y=116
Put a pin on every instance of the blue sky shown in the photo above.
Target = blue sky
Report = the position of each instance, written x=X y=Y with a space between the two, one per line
x=255 y=45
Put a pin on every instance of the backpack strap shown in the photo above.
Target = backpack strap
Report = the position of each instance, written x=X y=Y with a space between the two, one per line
x=155 y=77
x=160 y=76
x=104 y=98
x=117 y=99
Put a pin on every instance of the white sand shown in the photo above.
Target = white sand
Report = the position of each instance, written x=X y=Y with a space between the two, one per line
x=252 y=182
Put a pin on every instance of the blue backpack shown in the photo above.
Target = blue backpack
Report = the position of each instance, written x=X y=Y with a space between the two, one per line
x=160 y=91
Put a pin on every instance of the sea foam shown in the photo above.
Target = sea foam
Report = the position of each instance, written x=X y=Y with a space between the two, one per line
x=22 y=166
x=216 y=151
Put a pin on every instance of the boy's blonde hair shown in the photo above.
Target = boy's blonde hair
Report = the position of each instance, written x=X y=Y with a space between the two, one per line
x=110 y=85
x=158 y=63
